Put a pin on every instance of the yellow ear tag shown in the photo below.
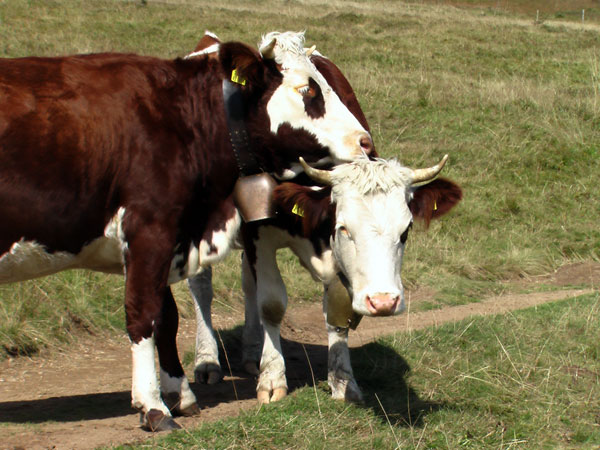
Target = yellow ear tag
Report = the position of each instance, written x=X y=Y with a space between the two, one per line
x=434 y=205
x=298 y=210
x=237 y=78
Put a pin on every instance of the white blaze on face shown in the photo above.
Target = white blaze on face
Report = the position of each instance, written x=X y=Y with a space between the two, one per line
x=372 y=214
x=337 y=129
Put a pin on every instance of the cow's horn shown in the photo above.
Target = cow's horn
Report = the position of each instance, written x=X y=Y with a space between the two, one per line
x=309 y=51
x=267 y=50
x=420 y=175
x=320 y=176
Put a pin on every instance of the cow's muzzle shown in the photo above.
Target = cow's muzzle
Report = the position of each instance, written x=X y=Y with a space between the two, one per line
x=382 y=304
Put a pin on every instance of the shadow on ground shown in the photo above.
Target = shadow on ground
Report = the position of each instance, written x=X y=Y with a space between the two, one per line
x=379 y=370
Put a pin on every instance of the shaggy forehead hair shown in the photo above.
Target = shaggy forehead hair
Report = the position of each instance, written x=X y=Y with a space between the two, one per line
x=288 y=42
x=366 y=177
x=289 y=51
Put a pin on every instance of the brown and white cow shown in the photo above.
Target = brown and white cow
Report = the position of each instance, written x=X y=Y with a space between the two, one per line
x=123 y=163
x=357 y=229
x=309 y=238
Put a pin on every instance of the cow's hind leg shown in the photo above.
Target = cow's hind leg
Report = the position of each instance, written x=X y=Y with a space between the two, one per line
x=207 y=366
x=272 y=303
x=174 y=384
x=339 y=369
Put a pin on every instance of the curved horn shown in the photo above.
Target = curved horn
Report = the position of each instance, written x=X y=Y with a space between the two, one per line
x=320 y=176
x=266 y=50
x=309 y=51
x=420 y=175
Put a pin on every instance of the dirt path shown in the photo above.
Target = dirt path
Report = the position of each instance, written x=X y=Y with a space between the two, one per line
x=81 y=398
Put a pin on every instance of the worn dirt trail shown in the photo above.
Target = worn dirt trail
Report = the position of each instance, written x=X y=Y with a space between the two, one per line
x=80 y=398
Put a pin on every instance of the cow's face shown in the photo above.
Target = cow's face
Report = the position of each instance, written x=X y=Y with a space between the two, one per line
x=304 y=100
x=375 y=204
x=302 y=110
x=368 y=245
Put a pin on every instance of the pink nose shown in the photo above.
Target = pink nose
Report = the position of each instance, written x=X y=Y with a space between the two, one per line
x=382 y=304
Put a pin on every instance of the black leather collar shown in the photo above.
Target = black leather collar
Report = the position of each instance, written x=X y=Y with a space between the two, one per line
x=234 y=112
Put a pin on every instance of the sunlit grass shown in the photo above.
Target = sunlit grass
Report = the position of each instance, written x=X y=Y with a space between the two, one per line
x=515 y=104
x=496 y=382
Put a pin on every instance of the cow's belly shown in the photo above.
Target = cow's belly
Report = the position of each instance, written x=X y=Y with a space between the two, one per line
x=29 y=259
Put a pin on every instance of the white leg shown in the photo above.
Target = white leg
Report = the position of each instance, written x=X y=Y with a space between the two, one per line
x=252 y=334
x=272 y=303
x=207 y=366
x=145 y=393
x=339 y=369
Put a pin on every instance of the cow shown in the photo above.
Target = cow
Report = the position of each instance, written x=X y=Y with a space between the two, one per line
x=124 y=164
x=355 y=231
x=262 y=283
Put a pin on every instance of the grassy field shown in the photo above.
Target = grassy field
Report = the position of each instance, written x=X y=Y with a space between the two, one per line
x=515 y=104
x=495 y=382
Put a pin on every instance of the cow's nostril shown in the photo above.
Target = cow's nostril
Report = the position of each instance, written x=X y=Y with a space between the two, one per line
x=366 y=143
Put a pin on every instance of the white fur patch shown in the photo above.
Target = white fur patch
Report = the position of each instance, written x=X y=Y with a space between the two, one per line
x=211 y=49
x=221 y=242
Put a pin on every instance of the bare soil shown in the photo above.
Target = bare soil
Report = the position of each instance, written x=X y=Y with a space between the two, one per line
x=80 y=398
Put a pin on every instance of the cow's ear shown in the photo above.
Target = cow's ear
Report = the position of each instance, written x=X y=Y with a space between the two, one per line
x=207 y=40
x=242 y=64
x=303 y=204
x=434 y=199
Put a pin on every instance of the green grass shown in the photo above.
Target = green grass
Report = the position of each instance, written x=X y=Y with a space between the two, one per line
x=515 y=104
x=495 y=382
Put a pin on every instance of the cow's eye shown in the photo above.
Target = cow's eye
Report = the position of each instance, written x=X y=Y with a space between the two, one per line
x=306 y=91
x=404 y=235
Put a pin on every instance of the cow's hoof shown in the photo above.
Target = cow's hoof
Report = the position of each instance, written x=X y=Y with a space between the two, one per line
x=277 y=394
x=192 y=410
x=347 y=390
x=263 y=397
x=251 y=367
x=354 y=396
x=155 y=420
x=208 y=373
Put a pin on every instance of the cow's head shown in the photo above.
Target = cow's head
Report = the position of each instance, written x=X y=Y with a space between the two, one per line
x=374 y=205
x=290 y=99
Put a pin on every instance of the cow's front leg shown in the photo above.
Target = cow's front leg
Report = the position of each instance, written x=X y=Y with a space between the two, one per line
x=174 y=385
x=272 y=303
x=147 y=260
x=252 y=338
x=207 y=366
x=339 y=369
